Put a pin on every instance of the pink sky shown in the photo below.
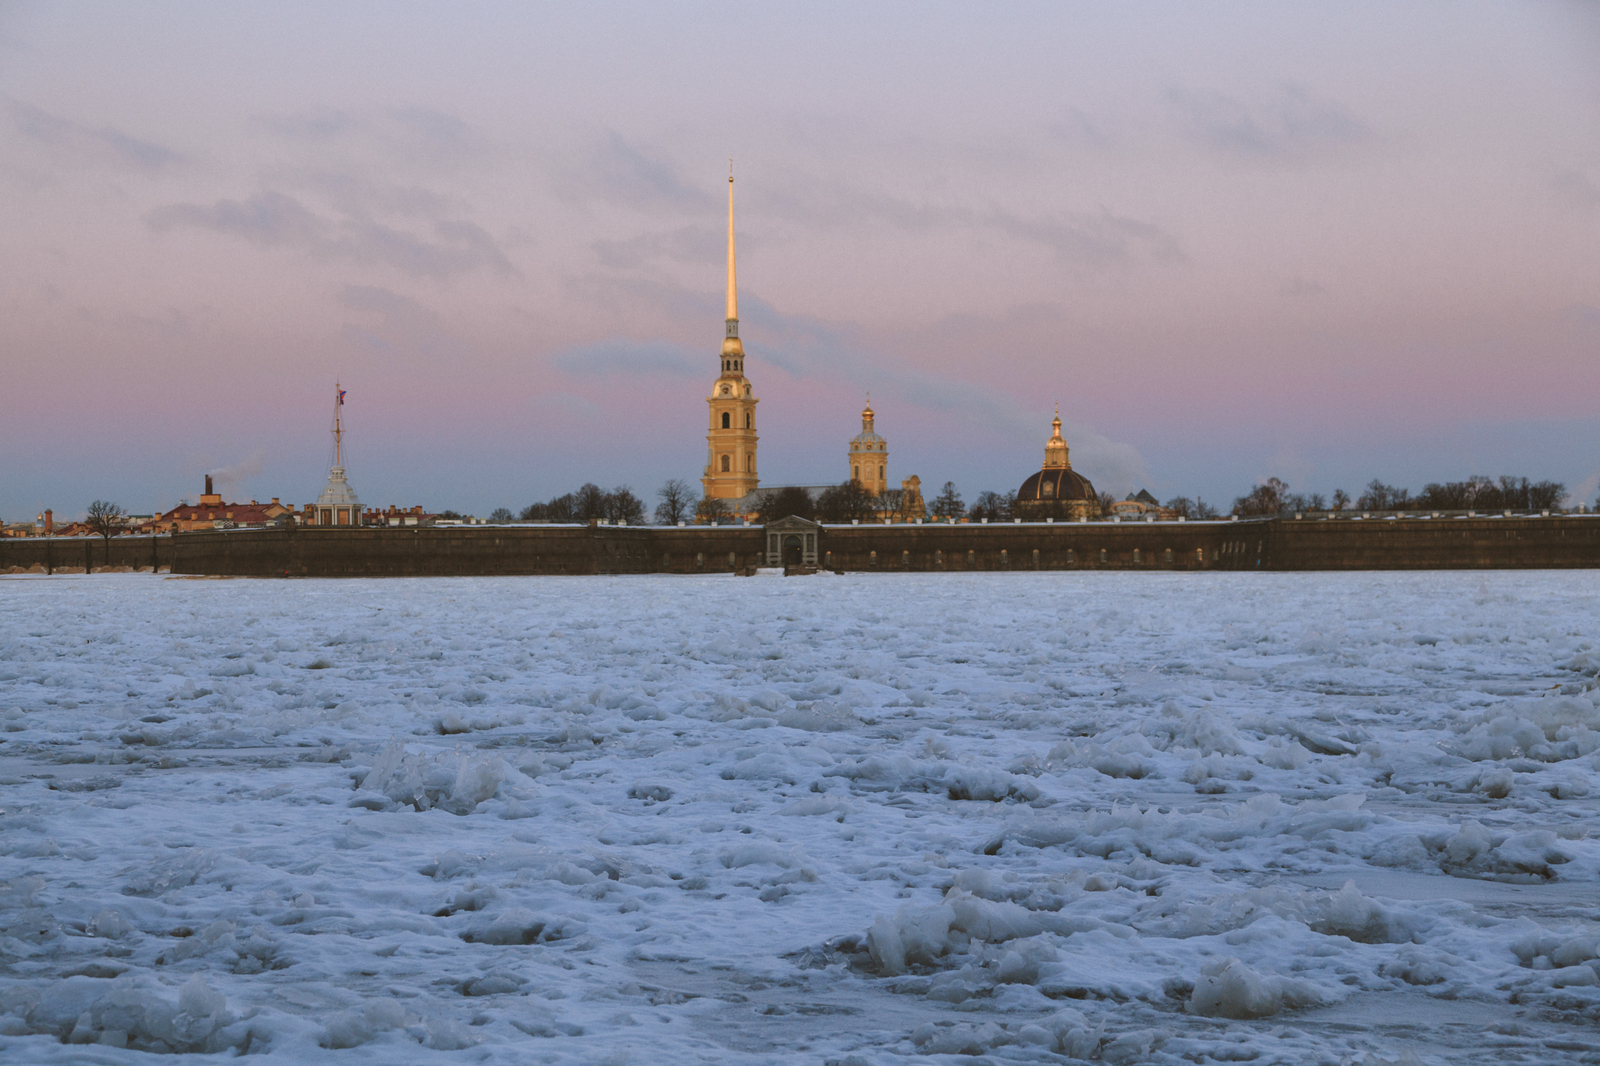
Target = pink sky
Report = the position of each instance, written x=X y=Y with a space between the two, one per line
x=1232 y=241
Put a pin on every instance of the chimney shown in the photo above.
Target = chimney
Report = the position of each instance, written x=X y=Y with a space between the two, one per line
x=49 y=520
x=208 y=484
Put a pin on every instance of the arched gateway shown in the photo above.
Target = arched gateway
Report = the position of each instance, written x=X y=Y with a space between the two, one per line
x=792 y=541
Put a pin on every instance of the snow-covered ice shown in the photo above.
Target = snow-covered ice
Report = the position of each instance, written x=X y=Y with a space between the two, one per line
x=1131 y=818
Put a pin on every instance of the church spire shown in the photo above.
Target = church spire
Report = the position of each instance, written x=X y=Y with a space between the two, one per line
x=733 y=287
x=732 y=349
x=731 y=442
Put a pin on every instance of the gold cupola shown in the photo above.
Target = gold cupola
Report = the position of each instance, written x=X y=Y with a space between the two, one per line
x=1055 y=449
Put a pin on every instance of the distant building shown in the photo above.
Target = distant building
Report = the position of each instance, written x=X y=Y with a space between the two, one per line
x=1057 y=491
x=338 y=504
x=1139 y=505
x=869 y=456
x=731 y=443
x=911 y=506
x=42 y=526
x=395 y=516
x=212 y=513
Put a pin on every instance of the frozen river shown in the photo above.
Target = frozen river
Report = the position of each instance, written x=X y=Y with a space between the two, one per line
x=1131 y=818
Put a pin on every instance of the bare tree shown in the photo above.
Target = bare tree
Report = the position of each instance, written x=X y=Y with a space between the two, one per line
x=710 y=512
x=1180 y=506
x=947 y=504
x=1381 y=497
x=106 y=518
x=1546 y=495
x=589 y=502
x=789 y=500
x=622 y=506
x=849 y=502
x=500 y=516
x=1341 y=499
x=1266 y=498
x=993 y=506
x=676 y=498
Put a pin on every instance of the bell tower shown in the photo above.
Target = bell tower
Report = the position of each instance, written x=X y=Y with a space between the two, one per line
x=869 y=456
x=731 y=442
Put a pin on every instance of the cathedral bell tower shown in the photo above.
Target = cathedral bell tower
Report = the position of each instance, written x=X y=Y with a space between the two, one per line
x=731 y=443
x=869 y=456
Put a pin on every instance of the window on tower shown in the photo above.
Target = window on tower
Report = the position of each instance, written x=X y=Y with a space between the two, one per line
x=726 y=464
x=725 y=417
x=749 y=464
x=747 y=420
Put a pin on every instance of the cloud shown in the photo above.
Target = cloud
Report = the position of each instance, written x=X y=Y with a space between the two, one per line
x=234 y=473
x=1077 y=128
x=1574 y=190
x=686 y=244
x=1585 y=491
x=1288 y=123
x=634 y=357
x=400 y=325
x=567 y=407
x=356 y=196
x=1087 y=238
x=268 y=219
x=411 y=132
x=1115 y=467
x=1094 y=240
x=105 y=144
x=273 y=219
x=317 y=124
x=621 y=172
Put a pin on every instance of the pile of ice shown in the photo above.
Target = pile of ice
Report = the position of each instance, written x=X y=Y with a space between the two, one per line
x=133 y=1012
x=453 y=781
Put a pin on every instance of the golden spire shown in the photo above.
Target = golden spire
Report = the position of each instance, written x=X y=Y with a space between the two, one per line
x=733 y=287
x=732 y=349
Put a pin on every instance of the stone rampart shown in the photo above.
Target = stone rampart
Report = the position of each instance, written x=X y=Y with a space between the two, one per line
x=56 y=553
x=1531 y=542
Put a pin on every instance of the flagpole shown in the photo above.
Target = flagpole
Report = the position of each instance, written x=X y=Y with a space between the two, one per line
x=338 y=432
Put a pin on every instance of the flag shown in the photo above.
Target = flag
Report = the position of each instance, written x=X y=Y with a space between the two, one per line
x=341 y=396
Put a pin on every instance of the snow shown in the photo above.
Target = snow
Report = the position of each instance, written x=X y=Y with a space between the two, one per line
x=1152 y=818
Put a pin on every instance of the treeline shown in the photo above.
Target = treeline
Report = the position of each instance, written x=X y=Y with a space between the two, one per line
x=1477 y=493
x=846 y=502
x=677 y=502
x=842 y=503
x=587 y=504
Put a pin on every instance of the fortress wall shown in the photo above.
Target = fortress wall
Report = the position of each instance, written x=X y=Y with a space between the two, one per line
x=466 y=550
x=1028 y=546
x=1568 y=541
x=1558 y=542
x=403 y=552
x=54 y=552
